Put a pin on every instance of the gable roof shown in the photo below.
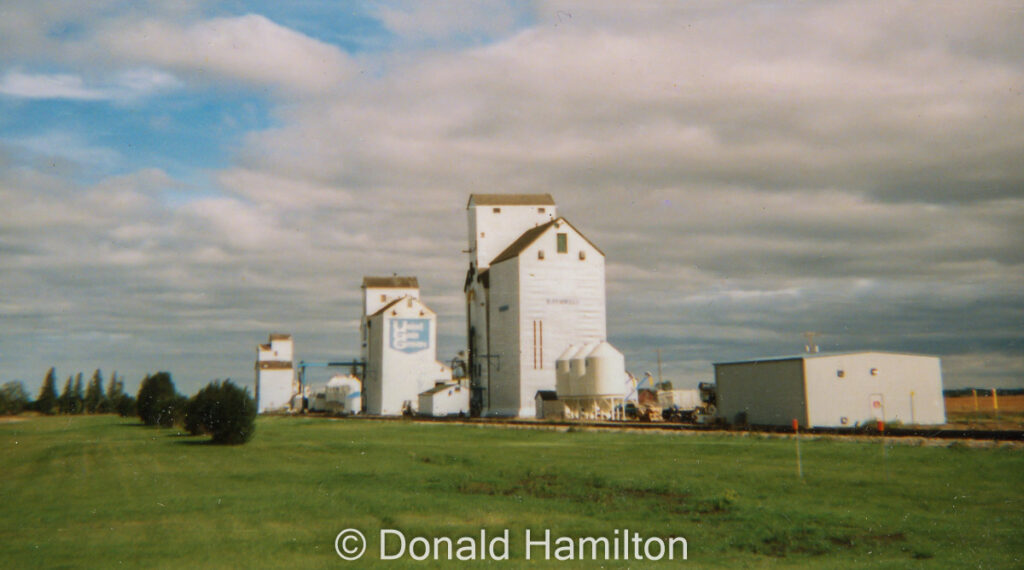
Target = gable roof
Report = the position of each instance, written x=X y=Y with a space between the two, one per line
x=399 y=300
x=510 y=200
x=393 y=282
x=442 y=388
x=529 y=236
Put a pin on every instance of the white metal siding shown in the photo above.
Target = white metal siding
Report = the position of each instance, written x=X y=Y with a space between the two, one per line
x=503 y=391
x=280 y=349
x=374 y=298
x=393 y=376
x=537 y=308
x=566 y=295
x=275 y=388
x=833 y=390
x=869 y=378
x=450 y=402
x=490 y=233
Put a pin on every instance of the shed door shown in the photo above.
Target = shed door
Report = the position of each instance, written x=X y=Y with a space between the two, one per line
x=877 y=407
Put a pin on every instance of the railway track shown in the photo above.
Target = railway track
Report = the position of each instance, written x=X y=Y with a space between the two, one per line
x=947 y=433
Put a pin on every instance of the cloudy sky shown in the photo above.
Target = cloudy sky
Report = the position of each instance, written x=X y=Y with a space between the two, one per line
x=180 y=178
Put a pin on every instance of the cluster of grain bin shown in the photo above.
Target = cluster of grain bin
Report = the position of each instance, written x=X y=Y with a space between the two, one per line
x=344 y=395
x=591 y=381
x=341 y=395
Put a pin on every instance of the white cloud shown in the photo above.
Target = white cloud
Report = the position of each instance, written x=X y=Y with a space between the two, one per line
x=68 y=145
x=248 y=48
x=751 y=172
x=449 y=19
x=124 y=86
x=283 y=192
x=52 y=86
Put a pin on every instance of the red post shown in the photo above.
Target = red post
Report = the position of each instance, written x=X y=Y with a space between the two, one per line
x=796 y=425
x=881 y=426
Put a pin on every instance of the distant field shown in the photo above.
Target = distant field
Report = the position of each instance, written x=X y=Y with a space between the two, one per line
x=105 y=492
x=985 y=404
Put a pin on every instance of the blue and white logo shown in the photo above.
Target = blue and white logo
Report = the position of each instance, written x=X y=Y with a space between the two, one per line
x=410 y=335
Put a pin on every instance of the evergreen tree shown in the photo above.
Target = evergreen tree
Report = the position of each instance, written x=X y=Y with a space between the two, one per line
x=94 y=396
x=46 y=403
x=111 y=396
x=65 y=403
x=158 y=402
x=223 y=410
x=126 y=406
x=78 y=397
x=120 y=403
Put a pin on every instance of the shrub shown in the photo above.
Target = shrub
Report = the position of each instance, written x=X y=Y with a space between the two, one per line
x=158 y=403
x=223 y=410
x=13 y=398
x=125 y=406
x=199 y=410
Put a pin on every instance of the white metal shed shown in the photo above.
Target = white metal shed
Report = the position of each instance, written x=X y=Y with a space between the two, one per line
x=832 y=389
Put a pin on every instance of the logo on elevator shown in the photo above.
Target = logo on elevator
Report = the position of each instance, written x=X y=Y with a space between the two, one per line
x=410 y=335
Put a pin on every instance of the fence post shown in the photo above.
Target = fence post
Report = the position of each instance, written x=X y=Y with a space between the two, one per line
x=796 y=436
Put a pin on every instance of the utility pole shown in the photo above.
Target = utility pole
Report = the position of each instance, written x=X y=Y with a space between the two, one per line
x=659 y=368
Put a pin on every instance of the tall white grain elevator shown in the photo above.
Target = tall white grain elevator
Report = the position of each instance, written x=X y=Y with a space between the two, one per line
x=535 y=285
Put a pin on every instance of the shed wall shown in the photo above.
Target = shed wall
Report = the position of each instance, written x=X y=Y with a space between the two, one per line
x=451 y=402
x=769 y=393
x=849 y=389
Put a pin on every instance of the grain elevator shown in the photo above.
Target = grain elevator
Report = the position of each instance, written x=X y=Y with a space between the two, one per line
x=535 y=285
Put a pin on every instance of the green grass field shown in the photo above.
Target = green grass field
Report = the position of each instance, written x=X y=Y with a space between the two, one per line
x=106 y=492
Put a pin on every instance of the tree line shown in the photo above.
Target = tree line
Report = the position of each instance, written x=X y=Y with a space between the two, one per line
x=77 y=397
x=222 y=410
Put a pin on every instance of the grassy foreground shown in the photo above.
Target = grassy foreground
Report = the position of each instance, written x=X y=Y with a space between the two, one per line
x=106 y=492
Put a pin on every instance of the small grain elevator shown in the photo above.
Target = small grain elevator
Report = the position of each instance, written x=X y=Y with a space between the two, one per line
x=275 y=374
x=401 y=357
x=380 y=291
